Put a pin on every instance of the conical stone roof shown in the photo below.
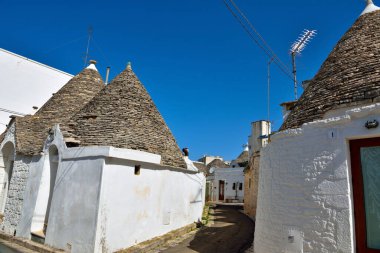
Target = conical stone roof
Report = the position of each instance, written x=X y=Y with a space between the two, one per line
x=350 y=75
x=217 y=163
x=123 y=115
x=32 y=130
x=243 y=158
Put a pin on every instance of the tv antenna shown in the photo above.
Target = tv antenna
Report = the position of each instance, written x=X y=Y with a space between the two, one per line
x=297 y=47
x=90 y=32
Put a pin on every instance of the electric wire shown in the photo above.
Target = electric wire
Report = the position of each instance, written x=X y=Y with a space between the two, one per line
x=101 y=51
x=263 y=45
x=275 y=57
x=63 y=45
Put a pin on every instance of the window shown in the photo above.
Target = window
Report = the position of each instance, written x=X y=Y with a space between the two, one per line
x=240 y=186
x=137 y=169
x=249 y=183
x=233 y=186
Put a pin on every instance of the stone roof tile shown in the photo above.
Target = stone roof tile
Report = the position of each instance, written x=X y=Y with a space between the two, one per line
x=32 y=130
x=123 y=115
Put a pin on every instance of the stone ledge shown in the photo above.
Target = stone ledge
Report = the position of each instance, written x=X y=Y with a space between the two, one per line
x=29 y=244
x=158 y=241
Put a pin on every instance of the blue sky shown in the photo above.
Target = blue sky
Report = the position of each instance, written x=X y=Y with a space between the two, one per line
x=206 y=76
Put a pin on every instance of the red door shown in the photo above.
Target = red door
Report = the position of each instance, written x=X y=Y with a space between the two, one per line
x=221 y=190
x=365 y=166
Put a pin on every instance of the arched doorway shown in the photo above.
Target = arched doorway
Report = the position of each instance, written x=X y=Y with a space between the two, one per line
x=7 y=155
x=45 y=193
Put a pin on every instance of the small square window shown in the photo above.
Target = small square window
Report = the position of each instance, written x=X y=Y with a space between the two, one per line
x=137 y=169
x=240 y=186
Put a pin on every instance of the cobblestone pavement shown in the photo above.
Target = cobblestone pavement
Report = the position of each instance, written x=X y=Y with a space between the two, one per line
x=229 y=231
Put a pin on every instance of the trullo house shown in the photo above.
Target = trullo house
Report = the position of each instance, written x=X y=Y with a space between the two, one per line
x=319 y=183
x=96 y=169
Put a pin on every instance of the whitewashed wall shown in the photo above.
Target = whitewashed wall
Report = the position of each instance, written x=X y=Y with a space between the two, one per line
x=305 y=185
x=230 y=176
x=135 y=208
x=100 y=205
x=28 y=83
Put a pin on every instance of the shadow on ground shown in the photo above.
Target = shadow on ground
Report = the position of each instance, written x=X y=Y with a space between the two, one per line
x=232 y=232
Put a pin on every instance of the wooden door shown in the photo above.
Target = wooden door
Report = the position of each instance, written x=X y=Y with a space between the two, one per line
x=221 y=190
x=365 y=166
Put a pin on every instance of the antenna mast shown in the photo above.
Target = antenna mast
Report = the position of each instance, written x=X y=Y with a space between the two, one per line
x=296 y=49
x=90 y=31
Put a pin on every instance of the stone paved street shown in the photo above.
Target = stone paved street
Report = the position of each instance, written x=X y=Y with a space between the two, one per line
x=229 y=231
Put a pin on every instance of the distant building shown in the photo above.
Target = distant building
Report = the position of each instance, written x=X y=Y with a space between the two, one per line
x=225 y=183
x=208 y=159
x=319 y=177
x=25 y=83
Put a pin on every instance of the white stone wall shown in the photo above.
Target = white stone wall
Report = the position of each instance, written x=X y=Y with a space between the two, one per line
x=100 y=205
x=16 y=192
x=305 y=197
x=136 y=208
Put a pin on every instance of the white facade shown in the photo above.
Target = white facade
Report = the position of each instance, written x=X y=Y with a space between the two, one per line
x=227 y=184
x=92 y=200
x=305 y=199
x=27 y=83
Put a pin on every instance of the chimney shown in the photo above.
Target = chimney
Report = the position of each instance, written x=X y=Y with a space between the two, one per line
x=259 y=136
x=287 y=107
x=107 y=74
x=185 y=151
x=35 y=108
x=91 y=65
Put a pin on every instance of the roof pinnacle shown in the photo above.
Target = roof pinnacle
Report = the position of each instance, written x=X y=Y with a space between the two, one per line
x=129 y=65
x=370 y=7
x=92 y=65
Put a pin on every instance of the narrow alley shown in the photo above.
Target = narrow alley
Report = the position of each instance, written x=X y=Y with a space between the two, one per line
x=229 y=231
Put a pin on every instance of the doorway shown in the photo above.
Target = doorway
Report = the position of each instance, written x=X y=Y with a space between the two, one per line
x=221 y=190
x=45 y=194
x=365 y=166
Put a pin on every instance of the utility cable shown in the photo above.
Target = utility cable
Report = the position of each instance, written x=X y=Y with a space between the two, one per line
x=101 y=51
x=64 y=44
x=263 y=45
